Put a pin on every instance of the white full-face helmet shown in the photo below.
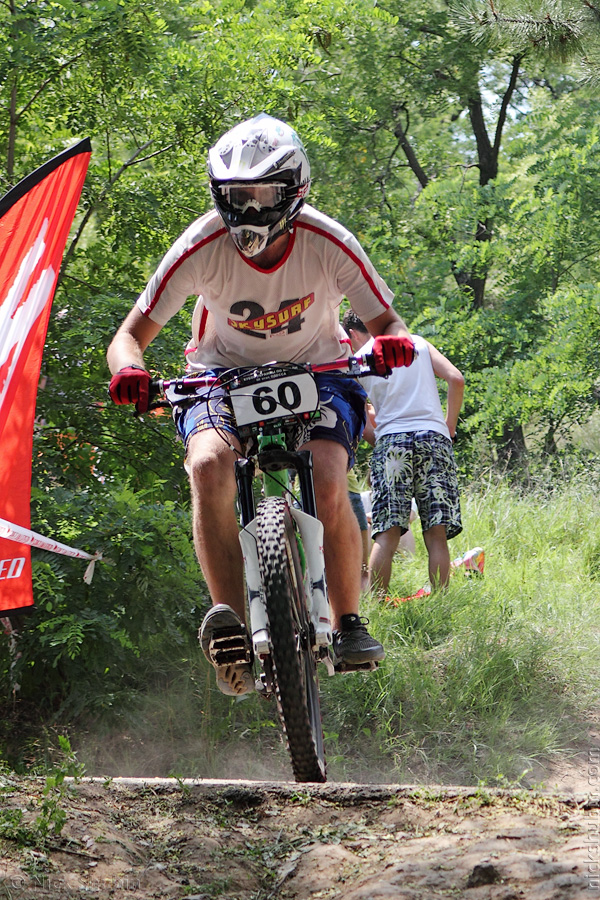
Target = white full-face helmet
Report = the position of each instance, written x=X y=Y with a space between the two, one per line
x=259 y=179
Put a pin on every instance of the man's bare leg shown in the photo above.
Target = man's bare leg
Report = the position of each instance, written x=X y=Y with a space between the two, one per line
x=380 y=563
x=436 y=543
x=364 y=571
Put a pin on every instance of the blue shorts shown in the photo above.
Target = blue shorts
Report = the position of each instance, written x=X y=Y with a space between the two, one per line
x=417 y=464
x=341 y=401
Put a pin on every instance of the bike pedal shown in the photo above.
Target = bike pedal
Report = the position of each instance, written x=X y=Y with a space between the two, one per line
x=262 y=688
x=229 y=647
x=345 y=667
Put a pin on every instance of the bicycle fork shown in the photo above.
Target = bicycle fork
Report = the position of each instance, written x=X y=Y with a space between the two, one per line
x=311 y=538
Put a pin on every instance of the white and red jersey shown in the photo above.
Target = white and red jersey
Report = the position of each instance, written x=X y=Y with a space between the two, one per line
x=287 y=313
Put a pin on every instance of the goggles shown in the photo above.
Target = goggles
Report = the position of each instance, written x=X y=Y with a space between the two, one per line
x=241 y=197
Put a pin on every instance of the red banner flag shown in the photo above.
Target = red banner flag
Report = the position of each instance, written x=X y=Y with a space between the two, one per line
x=35 y=219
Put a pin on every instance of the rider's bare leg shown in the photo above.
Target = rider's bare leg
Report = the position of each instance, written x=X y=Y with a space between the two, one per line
x=213 y=490
x=343 y=550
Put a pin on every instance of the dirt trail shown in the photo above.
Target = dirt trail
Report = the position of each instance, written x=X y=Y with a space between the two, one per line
x=216 y=840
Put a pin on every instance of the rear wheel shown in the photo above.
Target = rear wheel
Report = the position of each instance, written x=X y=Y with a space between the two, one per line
x=295 y=670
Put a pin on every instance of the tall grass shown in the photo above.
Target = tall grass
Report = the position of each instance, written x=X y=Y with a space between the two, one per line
x=481 y=682
x=499 y=671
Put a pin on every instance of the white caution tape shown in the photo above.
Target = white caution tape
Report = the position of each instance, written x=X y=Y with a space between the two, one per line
x=25 y=536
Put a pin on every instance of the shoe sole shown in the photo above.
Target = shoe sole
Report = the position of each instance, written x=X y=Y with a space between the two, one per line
x=356 y=658
x=235 y=681
x=225 y=644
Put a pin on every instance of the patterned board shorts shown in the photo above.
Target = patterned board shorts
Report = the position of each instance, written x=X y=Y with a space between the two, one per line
x=417 y=464
x=341 y=401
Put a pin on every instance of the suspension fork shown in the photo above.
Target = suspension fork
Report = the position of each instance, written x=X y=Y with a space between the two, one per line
x=275 y=461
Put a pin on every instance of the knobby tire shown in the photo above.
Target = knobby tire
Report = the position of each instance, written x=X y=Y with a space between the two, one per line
x=294 y=665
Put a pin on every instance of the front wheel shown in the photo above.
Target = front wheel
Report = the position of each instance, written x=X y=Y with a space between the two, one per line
x=295 y=669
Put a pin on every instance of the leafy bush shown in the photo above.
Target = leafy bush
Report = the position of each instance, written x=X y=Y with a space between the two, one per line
x=86 y=646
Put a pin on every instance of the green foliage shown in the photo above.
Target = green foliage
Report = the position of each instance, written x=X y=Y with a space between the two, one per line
x=12 y=827
x=87 y=646
x=463 y=157
x=515 y=162
x=559 y=378
x=563 y=30
x=50 y=815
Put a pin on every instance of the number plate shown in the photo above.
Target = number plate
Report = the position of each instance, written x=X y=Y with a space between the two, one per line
x=280 y=397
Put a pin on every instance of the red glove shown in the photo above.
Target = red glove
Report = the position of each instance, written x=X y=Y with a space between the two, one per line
x=390 y=351
x=131 y=385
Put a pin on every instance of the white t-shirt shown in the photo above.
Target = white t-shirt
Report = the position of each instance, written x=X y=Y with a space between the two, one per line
x=365 y=496
x=287 y=313
x=409 y=399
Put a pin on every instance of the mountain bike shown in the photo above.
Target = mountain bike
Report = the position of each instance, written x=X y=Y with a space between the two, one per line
x=282 y=541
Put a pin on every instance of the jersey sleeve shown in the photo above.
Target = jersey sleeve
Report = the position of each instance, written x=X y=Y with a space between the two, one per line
x=178 y=275
x=168 y=289
x=359 y=281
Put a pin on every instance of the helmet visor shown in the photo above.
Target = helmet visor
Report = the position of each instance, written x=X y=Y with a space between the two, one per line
x=240 y=197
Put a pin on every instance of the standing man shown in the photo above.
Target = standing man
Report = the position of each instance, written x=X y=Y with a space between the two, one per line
x=413 y=455
x=268 y=273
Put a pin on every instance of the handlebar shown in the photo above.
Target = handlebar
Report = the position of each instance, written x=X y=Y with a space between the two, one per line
x=354 y=366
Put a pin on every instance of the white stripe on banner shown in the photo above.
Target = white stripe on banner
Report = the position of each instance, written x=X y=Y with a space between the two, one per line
x=25 y=536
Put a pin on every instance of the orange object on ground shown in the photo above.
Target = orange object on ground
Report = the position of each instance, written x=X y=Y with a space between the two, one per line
x=473 y=562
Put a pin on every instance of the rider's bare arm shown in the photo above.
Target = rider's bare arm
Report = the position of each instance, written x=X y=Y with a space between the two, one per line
x=128 y=345
x=388 y=322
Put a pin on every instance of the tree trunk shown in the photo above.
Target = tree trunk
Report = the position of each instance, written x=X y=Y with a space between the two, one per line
x=511 y=448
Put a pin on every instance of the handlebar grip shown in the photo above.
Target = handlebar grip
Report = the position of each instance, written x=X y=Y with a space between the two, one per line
x=369 y=360
x=155 y=388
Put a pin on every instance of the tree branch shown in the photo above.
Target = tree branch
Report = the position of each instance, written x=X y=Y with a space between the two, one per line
x=488 y=160
x=91 y=209
x=45 y=84
x=512 y=83
x=410 y=154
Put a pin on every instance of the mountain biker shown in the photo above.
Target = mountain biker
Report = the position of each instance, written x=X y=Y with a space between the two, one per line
x=268 y=273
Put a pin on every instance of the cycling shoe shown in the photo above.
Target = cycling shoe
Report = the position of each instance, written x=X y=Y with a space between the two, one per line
x=353 y=644
x=226 y=645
